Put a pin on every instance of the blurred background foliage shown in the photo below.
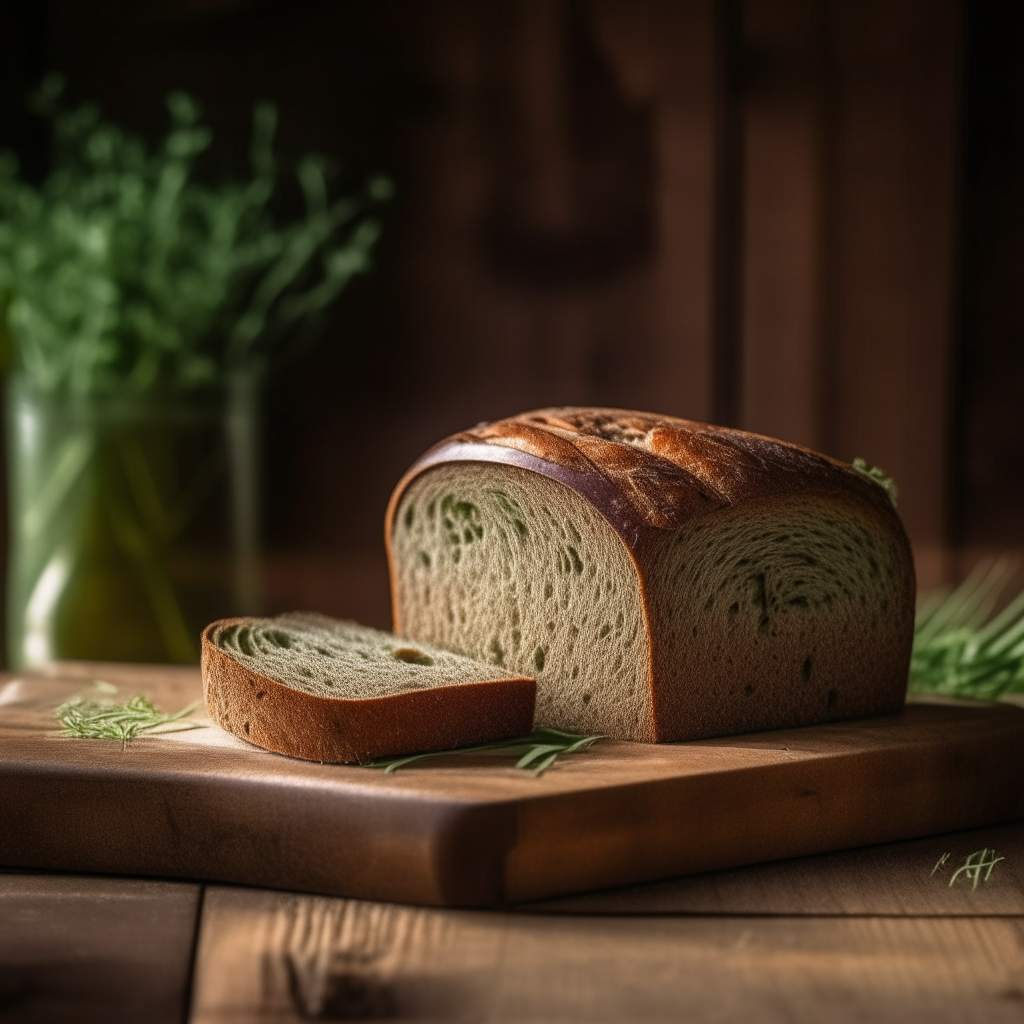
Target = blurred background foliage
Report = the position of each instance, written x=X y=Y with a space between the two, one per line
x=803 y=217
x=124 y=272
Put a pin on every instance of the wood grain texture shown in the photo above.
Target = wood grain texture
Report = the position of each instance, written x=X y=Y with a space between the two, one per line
x=471 y=831
x=850 y=131
x=279 y=957
x=909 y=879
x=892 y=210
x=95 y=949
x=785 y=172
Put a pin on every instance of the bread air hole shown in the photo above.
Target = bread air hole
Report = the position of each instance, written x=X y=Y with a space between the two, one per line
x=412 y=656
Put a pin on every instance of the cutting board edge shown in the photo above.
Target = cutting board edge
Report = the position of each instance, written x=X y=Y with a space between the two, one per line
x=434 y=852
x=804 y=796
x=457 y=852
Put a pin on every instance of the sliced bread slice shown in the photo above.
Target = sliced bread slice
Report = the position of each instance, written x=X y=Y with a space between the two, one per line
x=327 y=690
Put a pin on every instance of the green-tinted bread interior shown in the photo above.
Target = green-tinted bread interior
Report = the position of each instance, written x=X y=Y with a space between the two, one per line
x=801 y=602
x=332 y=658
x=506 y=565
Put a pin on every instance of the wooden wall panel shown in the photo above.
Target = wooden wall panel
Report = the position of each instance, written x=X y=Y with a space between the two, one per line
x=525 y=284
x=850 y=155
x=894 y=209
x=557 y=237
x=783 y=196
x=667 y=53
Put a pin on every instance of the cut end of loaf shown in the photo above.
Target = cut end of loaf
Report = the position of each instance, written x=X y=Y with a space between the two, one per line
x=327 y=690
x=507 y=566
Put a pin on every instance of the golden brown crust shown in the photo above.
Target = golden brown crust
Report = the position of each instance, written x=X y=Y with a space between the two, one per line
x=276 y=717
x=644 y=471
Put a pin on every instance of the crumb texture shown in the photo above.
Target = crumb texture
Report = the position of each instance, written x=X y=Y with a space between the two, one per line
x=798 y=609
x=506 y=565
x=333 y=658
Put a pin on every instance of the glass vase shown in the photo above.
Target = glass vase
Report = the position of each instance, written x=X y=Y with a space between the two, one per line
x=133 y=522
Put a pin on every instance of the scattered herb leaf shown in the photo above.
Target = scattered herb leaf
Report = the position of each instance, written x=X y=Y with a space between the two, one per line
x=538 y=750
x=977 y=867
x=93 y=719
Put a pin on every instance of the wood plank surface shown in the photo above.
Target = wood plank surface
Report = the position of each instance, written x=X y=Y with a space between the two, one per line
x=279 y=957
x=462 y=831
x=95 y=949
x=845 y=940
x=923 y=877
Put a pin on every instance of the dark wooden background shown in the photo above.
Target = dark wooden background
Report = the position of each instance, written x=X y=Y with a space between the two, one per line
x=803 y=217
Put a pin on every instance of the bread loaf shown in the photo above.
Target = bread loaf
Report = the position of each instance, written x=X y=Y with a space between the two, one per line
x=326 y=690
x=663 y=579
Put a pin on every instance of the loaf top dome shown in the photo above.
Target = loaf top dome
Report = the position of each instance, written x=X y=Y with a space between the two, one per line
x=647 y=472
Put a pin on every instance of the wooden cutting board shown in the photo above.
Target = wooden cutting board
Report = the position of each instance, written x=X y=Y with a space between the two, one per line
x=474 y=830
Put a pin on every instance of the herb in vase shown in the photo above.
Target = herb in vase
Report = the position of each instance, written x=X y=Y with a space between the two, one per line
x=142 y=307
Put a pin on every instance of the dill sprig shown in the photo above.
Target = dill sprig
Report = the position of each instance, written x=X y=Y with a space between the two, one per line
x=103 y=720
x=878 y=476
x=538 y=751
x=959 y=651
x=125 y=271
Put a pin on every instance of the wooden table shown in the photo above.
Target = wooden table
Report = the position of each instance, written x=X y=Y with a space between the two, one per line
x=877 y=934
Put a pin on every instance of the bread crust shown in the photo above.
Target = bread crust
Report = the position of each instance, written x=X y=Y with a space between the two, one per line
x=649 y=475
x=331 y=729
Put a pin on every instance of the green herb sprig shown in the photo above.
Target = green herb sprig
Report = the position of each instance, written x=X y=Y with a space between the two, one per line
x=538 y=751
x=125 y=271
x=97 y=720
x=878 y=476
x=959 y=651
